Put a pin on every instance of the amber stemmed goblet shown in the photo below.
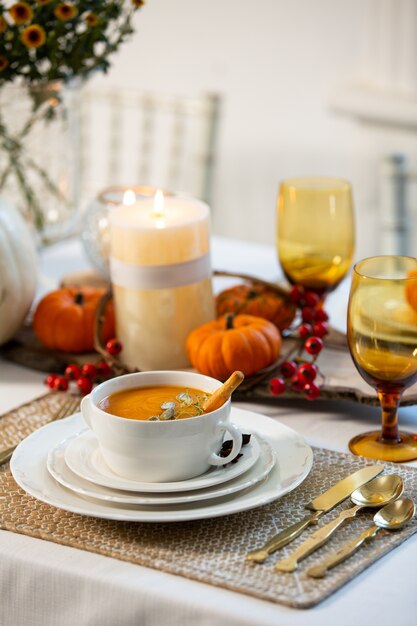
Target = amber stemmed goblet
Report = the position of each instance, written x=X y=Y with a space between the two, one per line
x=382 y=338
x=315 y=231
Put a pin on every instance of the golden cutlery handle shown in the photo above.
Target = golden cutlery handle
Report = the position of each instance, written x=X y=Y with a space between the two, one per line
x=284 y=537
x=319 y=571
x=315 y=541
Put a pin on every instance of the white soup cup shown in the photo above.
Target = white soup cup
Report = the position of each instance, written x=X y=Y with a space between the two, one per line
x=160 y=451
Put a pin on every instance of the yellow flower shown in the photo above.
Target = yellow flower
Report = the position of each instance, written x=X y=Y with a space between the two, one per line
x=138 y=3
x=3 y=24
x=21 y=12
x=65 y=11
x=33 y=36
x=92 y=19
x=3 y=62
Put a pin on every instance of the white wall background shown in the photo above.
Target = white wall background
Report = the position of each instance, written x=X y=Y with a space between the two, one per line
x=276 y=64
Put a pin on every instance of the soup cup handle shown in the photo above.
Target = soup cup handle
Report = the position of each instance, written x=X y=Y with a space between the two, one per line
x=236 y=435
x=85 y=407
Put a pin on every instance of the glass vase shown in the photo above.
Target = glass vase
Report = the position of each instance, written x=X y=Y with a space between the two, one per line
x=39 y=155
x=95 y=230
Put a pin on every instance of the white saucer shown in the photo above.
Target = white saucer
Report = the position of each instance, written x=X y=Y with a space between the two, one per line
x=83 y=456
x=295 y=458
x=60 y=471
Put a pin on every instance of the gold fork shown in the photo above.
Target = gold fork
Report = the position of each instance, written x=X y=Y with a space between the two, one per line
x=69 y=407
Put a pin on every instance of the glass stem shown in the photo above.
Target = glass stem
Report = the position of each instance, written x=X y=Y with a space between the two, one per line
x=390 y=402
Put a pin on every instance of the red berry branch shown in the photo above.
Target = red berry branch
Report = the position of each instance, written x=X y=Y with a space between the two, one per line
x=299 y=371
x=85 y=376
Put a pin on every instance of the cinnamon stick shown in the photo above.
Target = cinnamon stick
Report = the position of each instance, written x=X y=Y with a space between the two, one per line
x=223 y=393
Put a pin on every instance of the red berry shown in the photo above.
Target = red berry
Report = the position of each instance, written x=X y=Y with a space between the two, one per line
x=288 y=368
x=72 y=372
x=313 y=345
x=103 y=369
x=84 y=384
x=297 y=294
x=305 y=330
x=307 y=314
x=321 y=316
x=277 y=386
x=296 y=384
x=307 y=372
x=50 y=380
x=113 y=347
x=89 y=370
x=61 y=383
x=312 y=299
x=320 y=329
x=312 y=391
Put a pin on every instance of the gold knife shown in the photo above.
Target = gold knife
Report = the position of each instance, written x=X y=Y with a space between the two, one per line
x=320 y=505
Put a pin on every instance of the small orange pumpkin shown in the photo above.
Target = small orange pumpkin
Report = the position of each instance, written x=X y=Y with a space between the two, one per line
x=259 y=300
x=242 y=342
x=64 y=319
x=411 y=290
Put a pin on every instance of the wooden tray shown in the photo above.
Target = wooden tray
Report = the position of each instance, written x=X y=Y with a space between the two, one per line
x=25 y=349
x=339 y=378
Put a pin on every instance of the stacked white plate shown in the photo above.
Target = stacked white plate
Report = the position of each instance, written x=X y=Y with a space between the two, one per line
x=61 y=464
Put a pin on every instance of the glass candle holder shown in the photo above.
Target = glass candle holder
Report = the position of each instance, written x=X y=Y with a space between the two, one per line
x=95 y=230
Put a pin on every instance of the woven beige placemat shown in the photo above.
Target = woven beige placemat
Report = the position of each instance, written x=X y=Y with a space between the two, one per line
x=210 y=551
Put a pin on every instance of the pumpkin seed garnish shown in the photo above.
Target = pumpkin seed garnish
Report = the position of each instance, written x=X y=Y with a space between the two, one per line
x=168 y=405
x=185 y=398
x=184 y=405
x=168 y=414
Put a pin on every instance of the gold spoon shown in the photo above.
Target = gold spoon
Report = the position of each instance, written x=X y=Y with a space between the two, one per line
x=223 y=393
x=378 y=492
x=392 y=517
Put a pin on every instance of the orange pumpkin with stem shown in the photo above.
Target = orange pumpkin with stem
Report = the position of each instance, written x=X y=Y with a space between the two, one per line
x=259 y=300
x=242 y=342
x=64 y=319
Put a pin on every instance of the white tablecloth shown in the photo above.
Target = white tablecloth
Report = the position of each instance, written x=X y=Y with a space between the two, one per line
x=44 y=584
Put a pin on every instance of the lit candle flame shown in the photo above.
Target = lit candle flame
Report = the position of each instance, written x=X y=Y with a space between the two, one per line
x=129 y=197
x=158 y=204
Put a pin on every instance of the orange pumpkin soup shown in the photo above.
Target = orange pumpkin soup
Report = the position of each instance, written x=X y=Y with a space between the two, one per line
x=155 y=403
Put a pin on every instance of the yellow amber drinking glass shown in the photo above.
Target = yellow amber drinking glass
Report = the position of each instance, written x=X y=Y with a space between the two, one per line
x=315 y=236
x=382 y=338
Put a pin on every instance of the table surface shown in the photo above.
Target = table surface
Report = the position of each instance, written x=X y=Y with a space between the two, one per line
x=45 y=584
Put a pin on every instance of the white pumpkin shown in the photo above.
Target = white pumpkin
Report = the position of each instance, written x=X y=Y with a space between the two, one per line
x=18 y=273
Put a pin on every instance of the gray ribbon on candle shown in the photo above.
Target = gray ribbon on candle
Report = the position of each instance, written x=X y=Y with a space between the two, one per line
x=135 y=276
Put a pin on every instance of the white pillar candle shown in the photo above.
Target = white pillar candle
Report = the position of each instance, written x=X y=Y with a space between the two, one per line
x=161 y=275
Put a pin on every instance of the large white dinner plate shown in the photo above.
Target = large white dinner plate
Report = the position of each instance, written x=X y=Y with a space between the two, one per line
x=83 y=456
x=294 y=461
x=59 y=470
